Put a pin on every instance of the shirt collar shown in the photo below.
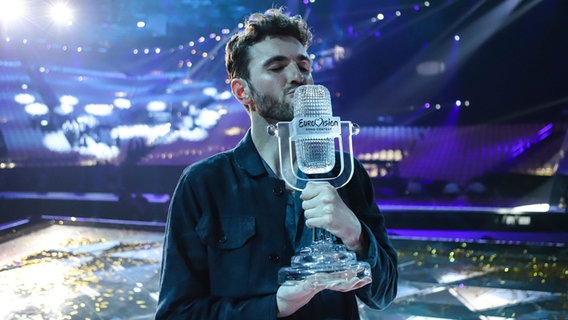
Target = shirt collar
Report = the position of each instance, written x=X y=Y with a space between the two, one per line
x=248 y=158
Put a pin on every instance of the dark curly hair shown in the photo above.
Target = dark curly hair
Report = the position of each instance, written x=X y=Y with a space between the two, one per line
x=258 y=26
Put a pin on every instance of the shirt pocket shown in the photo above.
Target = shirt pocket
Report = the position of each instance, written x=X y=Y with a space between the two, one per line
x=227 y=232
x=230 y=254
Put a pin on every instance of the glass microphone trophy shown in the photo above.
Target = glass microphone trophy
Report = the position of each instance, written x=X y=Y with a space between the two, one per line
x=312 y=138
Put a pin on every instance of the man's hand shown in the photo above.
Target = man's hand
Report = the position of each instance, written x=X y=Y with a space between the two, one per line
x=324 y=208
x=291 y=297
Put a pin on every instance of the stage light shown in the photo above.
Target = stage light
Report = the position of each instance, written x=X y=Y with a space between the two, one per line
x=457 y=37
x=24 y=98
x=69 y=100
x=99 y=109
x=156 y=106
x=537 y=207
x=11 y=10
x=36 y=109
x=64 y=109
x=430 y=68
x=61 y=13
x=207 y=118
x=380 y=16
x=210 y=91
x=458 y=103
x=122 y=103
x=140 y=24
x=225 y=95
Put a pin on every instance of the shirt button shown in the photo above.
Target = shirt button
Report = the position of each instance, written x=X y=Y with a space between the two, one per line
x=274 y=258
x=278 y=191
x=222 y=239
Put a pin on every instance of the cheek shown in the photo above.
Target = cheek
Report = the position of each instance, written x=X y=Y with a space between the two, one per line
x=267 y=84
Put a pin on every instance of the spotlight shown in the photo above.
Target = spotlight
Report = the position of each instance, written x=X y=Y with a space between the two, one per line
x=11 y=10
x=61 y=13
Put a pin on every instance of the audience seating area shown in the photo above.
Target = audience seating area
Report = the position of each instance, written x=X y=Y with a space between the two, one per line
x=448 y=159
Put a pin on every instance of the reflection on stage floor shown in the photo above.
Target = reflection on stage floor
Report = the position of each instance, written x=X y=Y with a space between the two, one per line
x=66 y=270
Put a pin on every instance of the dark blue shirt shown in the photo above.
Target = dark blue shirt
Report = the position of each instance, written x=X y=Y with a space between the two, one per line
x=227 y=237
x=295 y=223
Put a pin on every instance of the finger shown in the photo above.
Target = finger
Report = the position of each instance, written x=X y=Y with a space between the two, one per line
x=351 y=284
x=317 y=222
x=310 y=191
x=315 y=188
x=311 y=213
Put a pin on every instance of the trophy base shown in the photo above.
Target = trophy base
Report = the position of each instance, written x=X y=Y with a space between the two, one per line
x=325 y=264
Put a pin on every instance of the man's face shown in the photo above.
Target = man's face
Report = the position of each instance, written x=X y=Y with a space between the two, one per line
x=277 y=67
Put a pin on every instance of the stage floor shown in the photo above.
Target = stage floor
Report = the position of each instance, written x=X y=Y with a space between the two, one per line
x=110 y=270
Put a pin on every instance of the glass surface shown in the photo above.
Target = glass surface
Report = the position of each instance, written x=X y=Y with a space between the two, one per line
x=324 y=262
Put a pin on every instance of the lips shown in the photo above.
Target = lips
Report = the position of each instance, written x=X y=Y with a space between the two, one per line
x=291 y=91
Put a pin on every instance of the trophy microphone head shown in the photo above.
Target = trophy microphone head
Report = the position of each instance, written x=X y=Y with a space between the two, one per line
x=315 y=153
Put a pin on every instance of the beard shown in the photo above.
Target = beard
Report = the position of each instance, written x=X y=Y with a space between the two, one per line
x=271 y=108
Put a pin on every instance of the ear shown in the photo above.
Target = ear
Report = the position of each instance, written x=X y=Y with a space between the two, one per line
x=241 y=91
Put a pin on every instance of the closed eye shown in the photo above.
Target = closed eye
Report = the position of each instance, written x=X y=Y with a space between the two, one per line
x=276 y=68
x=305 y=69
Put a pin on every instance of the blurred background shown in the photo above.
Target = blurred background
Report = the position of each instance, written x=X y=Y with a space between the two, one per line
x=462 y=104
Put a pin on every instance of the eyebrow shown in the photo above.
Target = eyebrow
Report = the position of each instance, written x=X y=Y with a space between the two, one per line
x=301 y=57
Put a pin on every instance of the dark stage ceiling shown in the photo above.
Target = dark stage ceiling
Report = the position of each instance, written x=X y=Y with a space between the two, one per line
x=386 y=62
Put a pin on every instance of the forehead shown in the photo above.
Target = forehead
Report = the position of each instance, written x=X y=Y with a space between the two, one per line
x=271 y=47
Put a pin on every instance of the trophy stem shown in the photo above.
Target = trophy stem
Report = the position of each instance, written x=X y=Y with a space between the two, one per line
x=322 y=235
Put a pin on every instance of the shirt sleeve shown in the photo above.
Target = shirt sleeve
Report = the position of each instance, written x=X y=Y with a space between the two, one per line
x=381 y=254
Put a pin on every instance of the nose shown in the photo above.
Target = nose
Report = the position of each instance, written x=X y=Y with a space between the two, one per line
x=296 y=75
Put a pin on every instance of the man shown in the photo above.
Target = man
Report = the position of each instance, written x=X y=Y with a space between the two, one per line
x=232 y=223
